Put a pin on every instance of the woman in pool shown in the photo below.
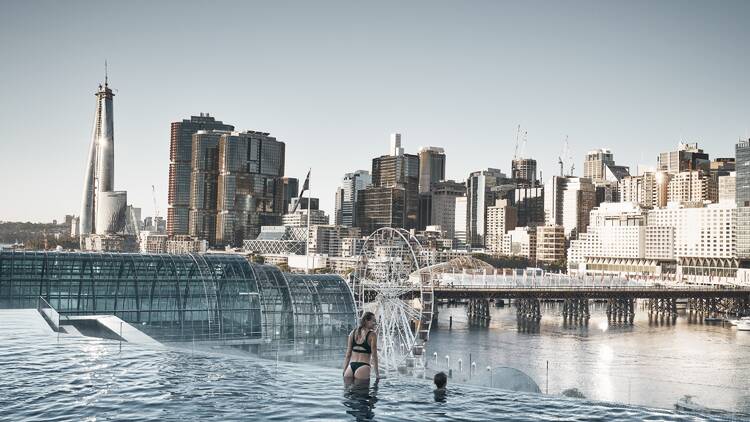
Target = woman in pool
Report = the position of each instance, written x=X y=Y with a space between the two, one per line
x=361 y=349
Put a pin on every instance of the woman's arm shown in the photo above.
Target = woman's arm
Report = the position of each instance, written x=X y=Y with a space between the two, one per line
x=348 y=351
x=374 y=355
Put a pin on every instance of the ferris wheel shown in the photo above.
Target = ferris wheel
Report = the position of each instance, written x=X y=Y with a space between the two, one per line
x=394 y=281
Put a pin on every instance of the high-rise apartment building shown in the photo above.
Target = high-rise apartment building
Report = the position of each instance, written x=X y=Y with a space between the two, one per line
x=742 y=199
x=180 y=171
x=204 y=184
x=250 y=193
x=300 y=218
x=568 y=201
x=649 y=190
x=687 y=157
x=693 y=186
x=347 y=195
x=479 y=196
x=596 y=163
x=728 y=188
x=431 y=167
x=520 y=241
x=501 y=217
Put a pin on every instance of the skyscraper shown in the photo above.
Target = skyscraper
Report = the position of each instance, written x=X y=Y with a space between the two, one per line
x=479 y=196
x=180 y=172
x=397 y=171
x=431 y=167
x=250 y=193
x=568 y=201
x=290 y=186
x=742 y=195
x=347 y=196
x=204 y=184
x=102 y=208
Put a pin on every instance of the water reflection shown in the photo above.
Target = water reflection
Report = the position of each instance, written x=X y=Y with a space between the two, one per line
x=360 y=398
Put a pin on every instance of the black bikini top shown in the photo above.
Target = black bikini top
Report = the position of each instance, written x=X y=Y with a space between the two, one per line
x=363 y=347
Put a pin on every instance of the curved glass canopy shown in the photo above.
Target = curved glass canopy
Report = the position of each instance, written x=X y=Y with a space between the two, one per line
x=186 y=298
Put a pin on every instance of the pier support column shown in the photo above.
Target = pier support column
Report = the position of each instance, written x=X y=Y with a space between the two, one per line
x=528 y=309
x=576 y=310
x=621 y=311
x=662 y=308
x=478 y=311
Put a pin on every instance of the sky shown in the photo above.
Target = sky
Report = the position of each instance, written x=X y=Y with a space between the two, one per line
x=333 y=79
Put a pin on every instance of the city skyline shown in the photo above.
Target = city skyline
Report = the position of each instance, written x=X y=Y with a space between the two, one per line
x=476 y=128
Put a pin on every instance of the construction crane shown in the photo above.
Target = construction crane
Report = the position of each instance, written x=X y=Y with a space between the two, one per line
x=156 y=207
x=515 y=152
x=564 y=158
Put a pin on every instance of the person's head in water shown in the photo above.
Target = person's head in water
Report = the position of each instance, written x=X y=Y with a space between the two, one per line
x=367 y=322
x=440 y=380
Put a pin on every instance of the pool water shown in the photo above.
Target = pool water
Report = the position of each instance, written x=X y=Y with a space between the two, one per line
x=77 y=378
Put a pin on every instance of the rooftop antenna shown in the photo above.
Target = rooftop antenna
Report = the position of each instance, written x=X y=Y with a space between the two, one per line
x=105 y=72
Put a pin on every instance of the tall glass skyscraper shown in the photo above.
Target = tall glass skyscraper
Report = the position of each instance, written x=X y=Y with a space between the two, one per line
x=742 y=195
x=180 y=168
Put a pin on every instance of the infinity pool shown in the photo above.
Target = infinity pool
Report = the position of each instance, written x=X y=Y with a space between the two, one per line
x=81 y=378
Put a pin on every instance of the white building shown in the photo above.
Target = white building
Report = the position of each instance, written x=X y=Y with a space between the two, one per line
x=728 y=187
x=692 y=186
x=567 y=202
x=459 y=230
x=501 y=217
x=299 y=218
x=520 y=241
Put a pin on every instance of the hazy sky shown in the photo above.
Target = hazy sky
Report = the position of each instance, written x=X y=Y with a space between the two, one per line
x=333 y=79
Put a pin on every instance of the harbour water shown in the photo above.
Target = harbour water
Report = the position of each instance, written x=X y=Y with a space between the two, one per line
x=648 y=363
x=46 y=377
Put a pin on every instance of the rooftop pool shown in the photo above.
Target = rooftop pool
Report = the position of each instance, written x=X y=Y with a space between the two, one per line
x=50 y=377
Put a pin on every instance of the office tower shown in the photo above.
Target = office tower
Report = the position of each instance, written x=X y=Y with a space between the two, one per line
x=290 y=187
x=431 y=167
x=459 y=229
x=523 y=171
x=687 y=157
x=204 y=183
x=102 y=208
x=443 y=205
x=381 y=207
x=327 y=239
x=550 y=243
x=693 y=186
x=723 y=165
x=479 y=196
x=250 y=192
x=180 y=172
x=567 y=202
x=529 y=202
x=501 y=217
x=347 y=195
x=395 y=177
x=742 y=195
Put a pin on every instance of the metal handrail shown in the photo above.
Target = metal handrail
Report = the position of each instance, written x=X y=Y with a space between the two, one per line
x=49 y=313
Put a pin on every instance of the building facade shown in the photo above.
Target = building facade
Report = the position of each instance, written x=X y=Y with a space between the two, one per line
x=550 y=243
x=347 y=195
x=687 y=157
x=501 y=217
x=568 y=202
x=250 y=193
x=180 y=170
x=431 y=167
x=523 y=171
x=479 y=196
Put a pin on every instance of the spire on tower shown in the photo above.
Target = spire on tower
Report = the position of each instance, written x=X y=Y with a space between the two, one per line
x=105 y=72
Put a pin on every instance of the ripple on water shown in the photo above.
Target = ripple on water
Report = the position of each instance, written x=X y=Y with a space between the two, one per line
x=81 y=378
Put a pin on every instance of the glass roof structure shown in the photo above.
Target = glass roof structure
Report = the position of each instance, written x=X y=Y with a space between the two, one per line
x=188 y=298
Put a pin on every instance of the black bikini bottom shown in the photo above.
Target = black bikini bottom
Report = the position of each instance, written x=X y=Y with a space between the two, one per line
x=357 y=365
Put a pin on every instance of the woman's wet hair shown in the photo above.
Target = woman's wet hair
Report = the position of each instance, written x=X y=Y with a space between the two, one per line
x=367 y=316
